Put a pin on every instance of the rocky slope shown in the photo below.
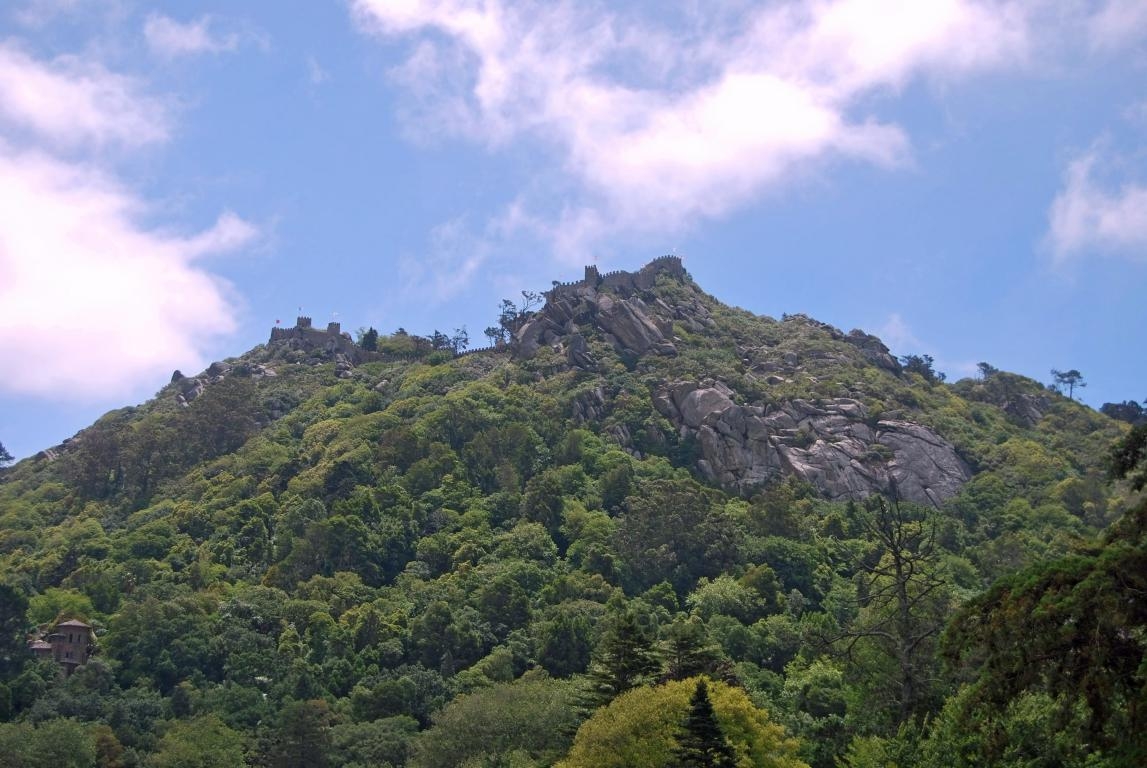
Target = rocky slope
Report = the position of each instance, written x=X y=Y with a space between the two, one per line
x=835 y=444
x=746 y=401
x=311 y=531
x=832 y=446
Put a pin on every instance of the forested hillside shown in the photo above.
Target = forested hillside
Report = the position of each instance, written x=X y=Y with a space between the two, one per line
x=387 y=553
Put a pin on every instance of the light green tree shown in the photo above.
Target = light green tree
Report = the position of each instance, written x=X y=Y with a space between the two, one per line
x=641 y=729
x=526 y=720
x=205 y=742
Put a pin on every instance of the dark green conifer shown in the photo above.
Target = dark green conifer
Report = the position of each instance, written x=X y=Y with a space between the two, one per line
x=687 y=651
x=701 y=743
x=625 y=658
x=369 y=340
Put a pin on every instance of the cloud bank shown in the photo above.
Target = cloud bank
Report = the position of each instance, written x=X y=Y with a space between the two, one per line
x=659 y=129
x=172 y=39
x=1090 y=216
x=93 y=298
x=71 y=101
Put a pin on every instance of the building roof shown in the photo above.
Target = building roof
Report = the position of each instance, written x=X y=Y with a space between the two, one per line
x=73 y=623
x=36 y=645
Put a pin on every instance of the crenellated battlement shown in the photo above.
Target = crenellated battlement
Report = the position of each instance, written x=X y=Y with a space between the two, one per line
x=499 y=347
x=304 y=334
x=669 y=260
x=334 y=341
x=622 y=279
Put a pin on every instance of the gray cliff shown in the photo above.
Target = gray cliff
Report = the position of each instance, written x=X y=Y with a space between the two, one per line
x=831 y=445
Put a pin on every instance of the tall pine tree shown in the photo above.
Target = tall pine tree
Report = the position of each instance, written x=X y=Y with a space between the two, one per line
x=702 y=744
x=624 y=658
x=688 y=652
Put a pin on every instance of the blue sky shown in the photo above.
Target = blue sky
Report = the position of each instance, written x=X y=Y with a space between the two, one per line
x=965 y=178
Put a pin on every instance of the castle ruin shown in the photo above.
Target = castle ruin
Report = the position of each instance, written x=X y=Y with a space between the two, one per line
x=306 y=337
x=620 y=280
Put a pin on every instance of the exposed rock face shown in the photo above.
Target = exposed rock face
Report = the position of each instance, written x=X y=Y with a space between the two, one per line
x=616 y=305
x=577 y=352
x=831 y=446
x=873 y=349
x=589 y=406
x=628 y=322
x=1027 y=409
x=189 y=389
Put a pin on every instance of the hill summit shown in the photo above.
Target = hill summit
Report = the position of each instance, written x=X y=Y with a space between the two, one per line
x=377 y=546
x=748 y=400
x=834 y=443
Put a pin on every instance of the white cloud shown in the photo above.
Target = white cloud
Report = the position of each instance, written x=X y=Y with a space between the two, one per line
x=1088 y=215
x=454 y=256
x=898 y=336
x=35 y=13
x=659 y=130
x=72 y=101
x=92 y=301
x=1136 y=114
x=316 y=75
x=171 y=39
x=93 y=298
x=1118 y=24
x=901 y=340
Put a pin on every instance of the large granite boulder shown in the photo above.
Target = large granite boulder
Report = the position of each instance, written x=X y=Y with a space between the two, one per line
x=873 y=350
x=614 y=304
x=626 y=321
x=831 y=445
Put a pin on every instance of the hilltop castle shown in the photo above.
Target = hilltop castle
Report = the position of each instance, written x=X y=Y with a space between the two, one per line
x=620 y=280
x=335 y=342
x=332 y=339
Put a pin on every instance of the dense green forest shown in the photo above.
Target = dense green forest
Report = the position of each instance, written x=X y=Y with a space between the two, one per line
x=645 y=528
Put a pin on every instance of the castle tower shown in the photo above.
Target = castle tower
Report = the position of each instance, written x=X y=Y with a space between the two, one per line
x=592 y=277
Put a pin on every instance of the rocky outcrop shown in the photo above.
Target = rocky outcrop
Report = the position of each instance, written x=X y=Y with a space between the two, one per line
x=1026 y=409
x=831 y=445
x=188 y=388
x=625 y=322
x=619 y=305
x=578 y=354
x=589 y=406
x=873 y=350
x=628 y=322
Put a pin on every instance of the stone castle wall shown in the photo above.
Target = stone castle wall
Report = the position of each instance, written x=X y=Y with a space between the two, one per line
x=622 y=280
x=306 y=335
x=332 y=340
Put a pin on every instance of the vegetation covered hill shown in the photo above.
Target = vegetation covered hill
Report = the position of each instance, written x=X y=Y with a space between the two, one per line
x=387 y=553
